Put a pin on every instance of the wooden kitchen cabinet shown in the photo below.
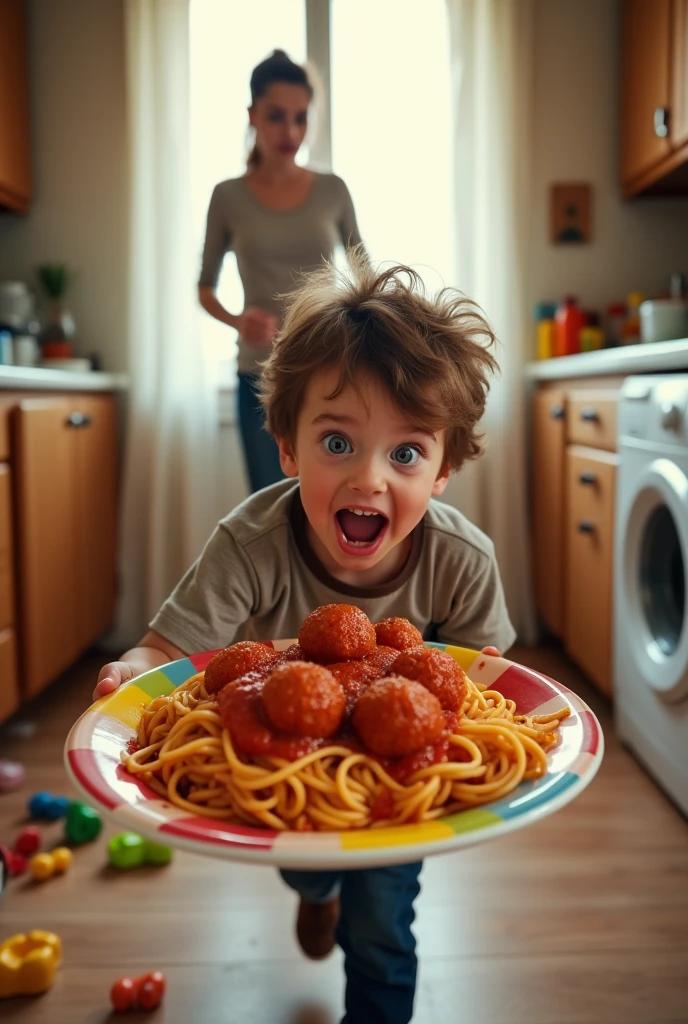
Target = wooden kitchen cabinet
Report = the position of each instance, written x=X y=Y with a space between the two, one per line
x=654 y=97
x=589 y=532
x=547 y=506
x=65 y=459
x=9 y=690
x=573 y=461
x=15 y=163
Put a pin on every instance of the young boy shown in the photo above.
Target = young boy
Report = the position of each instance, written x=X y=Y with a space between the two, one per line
x=373 y=393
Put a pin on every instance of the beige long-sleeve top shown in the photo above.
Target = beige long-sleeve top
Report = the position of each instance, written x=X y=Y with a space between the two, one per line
x=274 y=247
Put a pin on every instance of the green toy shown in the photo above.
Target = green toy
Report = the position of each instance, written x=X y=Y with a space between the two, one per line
x=129 y=850
x=82 y=824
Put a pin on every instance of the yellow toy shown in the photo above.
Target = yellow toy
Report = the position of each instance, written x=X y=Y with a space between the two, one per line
x=28 y=963
x=45 y=865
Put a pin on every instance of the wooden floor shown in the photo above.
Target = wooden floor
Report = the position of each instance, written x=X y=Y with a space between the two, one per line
x=581 y=919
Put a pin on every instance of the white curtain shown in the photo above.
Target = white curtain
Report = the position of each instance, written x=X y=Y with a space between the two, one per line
x=170 y=464
x=491 y=57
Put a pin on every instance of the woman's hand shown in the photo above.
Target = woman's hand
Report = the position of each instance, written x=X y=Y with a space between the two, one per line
x=256 y=326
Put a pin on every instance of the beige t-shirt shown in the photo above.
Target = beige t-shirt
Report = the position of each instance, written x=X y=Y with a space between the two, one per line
x=274 y=247
x=258 y=578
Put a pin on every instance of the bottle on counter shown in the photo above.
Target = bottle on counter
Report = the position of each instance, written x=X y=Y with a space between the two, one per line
x=630 y=328
x=614 y=318
x=591 y=337
x=569 y=319
x=544 y=319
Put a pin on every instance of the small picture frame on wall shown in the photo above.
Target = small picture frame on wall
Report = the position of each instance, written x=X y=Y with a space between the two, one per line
x=570 y=214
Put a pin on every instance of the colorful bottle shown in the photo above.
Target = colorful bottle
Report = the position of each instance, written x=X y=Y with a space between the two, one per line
x=569 y=319
x=544 y=318
x=630 y=328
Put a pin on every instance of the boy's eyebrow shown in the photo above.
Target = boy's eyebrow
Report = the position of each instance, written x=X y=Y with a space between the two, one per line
x=333 y=417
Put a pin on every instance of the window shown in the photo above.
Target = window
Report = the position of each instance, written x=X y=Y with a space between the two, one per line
x=389 y=120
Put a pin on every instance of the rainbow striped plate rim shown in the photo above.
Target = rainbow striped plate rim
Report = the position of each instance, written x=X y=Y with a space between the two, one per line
x=95 y=742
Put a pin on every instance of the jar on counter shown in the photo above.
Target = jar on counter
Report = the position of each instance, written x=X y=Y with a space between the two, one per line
x=614 y=319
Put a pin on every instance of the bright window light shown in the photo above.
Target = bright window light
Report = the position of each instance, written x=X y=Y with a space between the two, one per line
x=227 y=39
x=391 y=128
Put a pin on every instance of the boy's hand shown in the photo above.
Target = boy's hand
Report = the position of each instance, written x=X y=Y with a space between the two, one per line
x=492 y=651
x=111 y=676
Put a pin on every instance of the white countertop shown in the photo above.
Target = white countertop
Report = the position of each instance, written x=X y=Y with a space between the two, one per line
x=40 y=379
x=652 y=358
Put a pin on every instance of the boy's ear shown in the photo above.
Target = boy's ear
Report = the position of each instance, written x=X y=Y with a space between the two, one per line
x=287 y=457
x=440 y=483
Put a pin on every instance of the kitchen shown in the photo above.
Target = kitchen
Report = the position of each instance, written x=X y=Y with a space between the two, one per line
x=584 y=916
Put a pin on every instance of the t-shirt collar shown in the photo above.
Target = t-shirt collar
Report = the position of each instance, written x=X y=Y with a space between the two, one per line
x=299 y=522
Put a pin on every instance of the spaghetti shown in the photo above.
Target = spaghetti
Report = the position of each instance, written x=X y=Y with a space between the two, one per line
x=187 y=757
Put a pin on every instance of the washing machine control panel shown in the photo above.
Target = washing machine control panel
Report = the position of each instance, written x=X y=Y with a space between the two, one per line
x=655 y=409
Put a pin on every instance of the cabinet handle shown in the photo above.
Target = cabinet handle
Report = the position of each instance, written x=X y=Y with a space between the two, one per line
x=661 y=120
x=586 y=527
x=587 y=478
x=557 y=411
x=589 y=415
x=78 y=419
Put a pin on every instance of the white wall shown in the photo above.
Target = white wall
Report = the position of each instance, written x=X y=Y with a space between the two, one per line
x=636 y=244
x=79 y=213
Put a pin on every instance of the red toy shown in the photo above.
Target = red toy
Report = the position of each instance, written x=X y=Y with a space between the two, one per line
x=28 y=841
x=16 y=862
x=144 y=993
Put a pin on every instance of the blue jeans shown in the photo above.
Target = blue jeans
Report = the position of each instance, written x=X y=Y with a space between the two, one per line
x=374 y=933
x=261 y=454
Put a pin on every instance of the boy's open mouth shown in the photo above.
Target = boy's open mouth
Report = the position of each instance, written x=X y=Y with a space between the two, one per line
x=360 y=529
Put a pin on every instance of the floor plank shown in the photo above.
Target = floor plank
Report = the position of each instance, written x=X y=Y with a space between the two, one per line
x=580 y=919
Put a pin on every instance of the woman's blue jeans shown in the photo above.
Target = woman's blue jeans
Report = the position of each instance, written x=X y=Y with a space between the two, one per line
x=374 y=932
x=261 y=454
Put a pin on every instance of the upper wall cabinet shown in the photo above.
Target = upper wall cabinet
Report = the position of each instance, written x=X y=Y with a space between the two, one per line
x=15 y=165
x=654 y=97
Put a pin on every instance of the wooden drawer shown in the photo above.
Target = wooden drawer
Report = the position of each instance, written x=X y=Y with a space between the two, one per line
x=6 y=570
x=589 y=544
x=9 y=690
x=591 y=418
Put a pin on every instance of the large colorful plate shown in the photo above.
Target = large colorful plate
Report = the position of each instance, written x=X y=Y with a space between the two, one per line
x=94 y=745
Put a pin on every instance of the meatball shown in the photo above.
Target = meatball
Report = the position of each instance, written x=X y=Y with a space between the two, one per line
x=398 y=633
x=381 y=660
x=293 y=653
x=336 y=632
x=436 y=671
x=303 y=699
x=395 y=717
x=235 y=661
x=354 y=676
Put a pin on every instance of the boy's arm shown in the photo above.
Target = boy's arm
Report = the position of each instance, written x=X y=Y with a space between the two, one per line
x=151 y=651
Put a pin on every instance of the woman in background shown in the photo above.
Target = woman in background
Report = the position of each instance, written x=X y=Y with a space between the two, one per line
x=280 y=220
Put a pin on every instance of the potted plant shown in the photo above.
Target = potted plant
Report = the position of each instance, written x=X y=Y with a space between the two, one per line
x=57 y=335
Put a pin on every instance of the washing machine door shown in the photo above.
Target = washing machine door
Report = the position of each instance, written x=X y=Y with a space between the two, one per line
x=655 y=574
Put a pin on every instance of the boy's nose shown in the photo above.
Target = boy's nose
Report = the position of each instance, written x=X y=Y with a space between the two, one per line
x=367 y=478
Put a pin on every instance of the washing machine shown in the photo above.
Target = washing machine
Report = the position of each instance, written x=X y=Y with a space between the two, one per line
x=651 y=578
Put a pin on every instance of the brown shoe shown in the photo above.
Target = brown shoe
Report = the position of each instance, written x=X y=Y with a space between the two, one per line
x=315 y=925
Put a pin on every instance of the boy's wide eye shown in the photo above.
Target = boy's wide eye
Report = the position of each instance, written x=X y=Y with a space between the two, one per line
x=336 y=444
x=406 y=455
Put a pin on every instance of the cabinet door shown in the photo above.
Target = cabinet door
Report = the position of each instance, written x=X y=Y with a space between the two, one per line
x=9 y=691
x=547 y=496
x=46 y=540
x=15 y=174
x=590 y=490
x=95 y=508
x=6 y=560
x=645 y=85
x=679 y=87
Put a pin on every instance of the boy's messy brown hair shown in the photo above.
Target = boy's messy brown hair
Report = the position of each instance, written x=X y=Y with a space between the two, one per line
x=431 y=354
